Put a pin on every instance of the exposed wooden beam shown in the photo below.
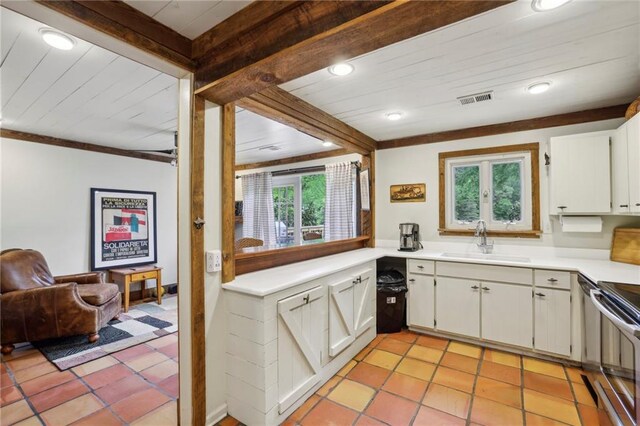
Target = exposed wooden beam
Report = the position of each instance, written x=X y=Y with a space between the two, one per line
x=315 y=35
x=66 y=143
x=285 y=108
x=293 y=160
x=586 y=116
x=368 y=218
x=128 y=24
x=228 y=120
x=198 y=348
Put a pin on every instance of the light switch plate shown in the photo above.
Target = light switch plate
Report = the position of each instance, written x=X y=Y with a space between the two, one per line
x=214 y=260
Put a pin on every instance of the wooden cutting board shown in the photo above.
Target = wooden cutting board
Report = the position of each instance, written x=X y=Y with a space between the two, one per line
x=626 y=245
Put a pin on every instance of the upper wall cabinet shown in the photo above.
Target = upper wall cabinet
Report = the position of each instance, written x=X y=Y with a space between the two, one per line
x=580 y=181
x=625 y=167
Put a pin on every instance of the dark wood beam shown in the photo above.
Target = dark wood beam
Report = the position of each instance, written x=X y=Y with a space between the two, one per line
x=293 y=160
x=578 y=117
x=314 y=35
x=128 y=24
x=66 y=143
x=285 y=108
x=228 y=120
x=198 y=335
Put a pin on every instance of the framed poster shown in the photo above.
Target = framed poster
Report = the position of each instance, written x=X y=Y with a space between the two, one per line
x=123 y=228
x=408 y=193
x=365 y=202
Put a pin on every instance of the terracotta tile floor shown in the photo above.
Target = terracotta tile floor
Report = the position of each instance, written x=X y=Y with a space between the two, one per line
x=137 y=386
x=405 y=378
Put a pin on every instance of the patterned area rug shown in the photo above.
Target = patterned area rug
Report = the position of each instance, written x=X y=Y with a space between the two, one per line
x=142 y=323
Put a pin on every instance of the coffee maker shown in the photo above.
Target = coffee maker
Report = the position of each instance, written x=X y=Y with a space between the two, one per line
x=409 y=239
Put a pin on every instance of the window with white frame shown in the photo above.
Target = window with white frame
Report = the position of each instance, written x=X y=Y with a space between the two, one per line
x=494 y=185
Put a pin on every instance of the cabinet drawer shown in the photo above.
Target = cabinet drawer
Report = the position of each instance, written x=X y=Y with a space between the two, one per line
x=552 y=279
x=417 y=266
x=476 y=272
x=149 y=275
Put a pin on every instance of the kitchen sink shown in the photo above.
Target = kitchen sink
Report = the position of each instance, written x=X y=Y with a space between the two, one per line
x=497 y=257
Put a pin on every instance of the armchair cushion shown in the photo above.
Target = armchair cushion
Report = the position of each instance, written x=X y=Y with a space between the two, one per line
x=97 y=294
x=86 y=278
x=23 y=269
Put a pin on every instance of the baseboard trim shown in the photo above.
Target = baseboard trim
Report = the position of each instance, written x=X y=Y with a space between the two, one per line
x=217 y=415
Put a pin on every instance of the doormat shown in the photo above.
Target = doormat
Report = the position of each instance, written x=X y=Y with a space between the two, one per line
x=142 y=323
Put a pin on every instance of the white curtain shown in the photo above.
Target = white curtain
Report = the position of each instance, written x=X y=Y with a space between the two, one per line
x=257 y=208
x=339 y=220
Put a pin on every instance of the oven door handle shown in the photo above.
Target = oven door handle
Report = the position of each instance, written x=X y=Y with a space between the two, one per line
x=629 y=328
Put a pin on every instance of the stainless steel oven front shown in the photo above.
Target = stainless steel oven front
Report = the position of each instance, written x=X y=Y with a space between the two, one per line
x=617 y=381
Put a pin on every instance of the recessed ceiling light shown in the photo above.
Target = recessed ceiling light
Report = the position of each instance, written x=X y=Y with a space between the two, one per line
x=537 y=88
x=57 y=39
x=327 y=143
x=393 y=116
x=341 y=69
x=544 y=5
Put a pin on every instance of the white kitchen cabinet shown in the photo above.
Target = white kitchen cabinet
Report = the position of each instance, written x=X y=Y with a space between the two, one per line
x=364 y=291
x=580 y=178
x=552 y=321
x=300 y=344
x=341 y=315
x=458 y=306
x=507 y=313
x=421 y=300
x=633 y=152
x=620 y=171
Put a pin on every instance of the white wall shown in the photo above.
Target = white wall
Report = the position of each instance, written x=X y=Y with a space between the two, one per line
x=45 y=201
x=215 y=316
x=419 y=164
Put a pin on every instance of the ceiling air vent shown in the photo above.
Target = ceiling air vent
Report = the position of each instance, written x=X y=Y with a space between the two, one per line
x=478 y=97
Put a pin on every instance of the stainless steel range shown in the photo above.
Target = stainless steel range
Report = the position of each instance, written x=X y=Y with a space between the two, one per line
x=617 y=310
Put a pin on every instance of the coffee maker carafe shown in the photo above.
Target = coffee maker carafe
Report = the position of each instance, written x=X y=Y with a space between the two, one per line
x=409 y=240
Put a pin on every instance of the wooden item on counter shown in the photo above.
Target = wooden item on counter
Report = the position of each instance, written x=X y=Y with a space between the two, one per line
x=626 y=245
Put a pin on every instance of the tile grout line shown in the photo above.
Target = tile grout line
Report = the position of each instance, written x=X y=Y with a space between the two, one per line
x=573 y=393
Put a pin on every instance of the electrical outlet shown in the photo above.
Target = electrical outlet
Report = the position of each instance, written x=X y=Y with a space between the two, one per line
x=214 y=261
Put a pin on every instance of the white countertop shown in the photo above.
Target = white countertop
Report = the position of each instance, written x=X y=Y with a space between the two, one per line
x=268 y=281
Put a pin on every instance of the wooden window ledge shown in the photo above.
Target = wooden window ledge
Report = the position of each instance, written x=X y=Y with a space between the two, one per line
x=496 y=234
x=259 y=260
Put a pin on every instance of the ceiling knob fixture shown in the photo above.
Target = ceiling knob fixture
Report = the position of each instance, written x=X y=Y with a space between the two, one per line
x=327 y=143
x=341 y=69
x=544 y=5
x=57 y=39
x=393 y=116
x=537 y=88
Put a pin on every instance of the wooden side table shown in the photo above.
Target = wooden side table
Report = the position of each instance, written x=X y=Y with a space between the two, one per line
x=126 y=276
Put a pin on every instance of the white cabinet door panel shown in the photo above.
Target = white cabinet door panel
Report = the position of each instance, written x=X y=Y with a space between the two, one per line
x=363 y=292
x=552 y=321
x=507 y=314
x=580 y=174
x=300 y=344
x=341 y=318
x=620 y=171
x=633 y=149
x=458 y=306
x=421 y=300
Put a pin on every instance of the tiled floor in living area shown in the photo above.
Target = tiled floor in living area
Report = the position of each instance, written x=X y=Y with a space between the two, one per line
x=405 y=378
x=137 y=386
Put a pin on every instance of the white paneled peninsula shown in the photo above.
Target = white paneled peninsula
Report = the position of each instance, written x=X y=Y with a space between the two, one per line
x=293 y=327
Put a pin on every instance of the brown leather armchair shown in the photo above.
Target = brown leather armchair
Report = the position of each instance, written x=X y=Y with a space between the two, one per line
x=36 y=306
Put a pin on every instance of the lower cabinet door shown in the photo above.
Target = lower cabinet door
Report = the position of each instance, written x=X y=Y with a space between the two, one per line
x=458 y=306
x=507 y=314
x=421 y=300
x=552 y=321
x=300 y=344
x=364 y=296
x=341 y=315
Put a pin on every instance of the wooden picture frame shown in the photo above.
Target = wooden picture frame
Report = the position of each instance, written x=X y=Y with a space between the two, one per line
x=123 y=228
x=408 y=193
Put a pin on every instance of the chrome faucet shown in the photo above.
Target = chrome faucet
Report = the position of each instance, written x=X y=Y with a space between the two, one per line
x=481 y=231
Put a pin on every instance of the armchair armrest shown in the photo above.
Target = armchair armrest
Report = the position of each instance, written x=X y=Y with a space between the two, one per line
x=86 y=278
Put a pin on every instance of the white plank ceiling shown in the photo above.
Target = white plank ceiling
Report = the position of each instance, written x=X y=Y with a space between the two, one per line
x=87 y=94
x=189 y=17
x=588 y=49
x=256 y=134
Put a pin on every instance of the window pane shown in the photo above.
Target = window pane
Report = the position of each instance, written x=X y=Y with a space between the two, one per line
x=507 y=191
x=283 y=211
x=313 y=199
x=467 y=193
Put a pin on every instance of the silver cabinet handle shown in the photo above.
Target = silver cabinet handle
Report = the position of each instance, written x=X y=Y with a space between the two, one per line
x=637 y=204
x=624 y=205
x=552 y=280
x=475 y=287
x=412 y=280
x=540 y=294
x=420 y=267
x=562 y=207
x=486 y=288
